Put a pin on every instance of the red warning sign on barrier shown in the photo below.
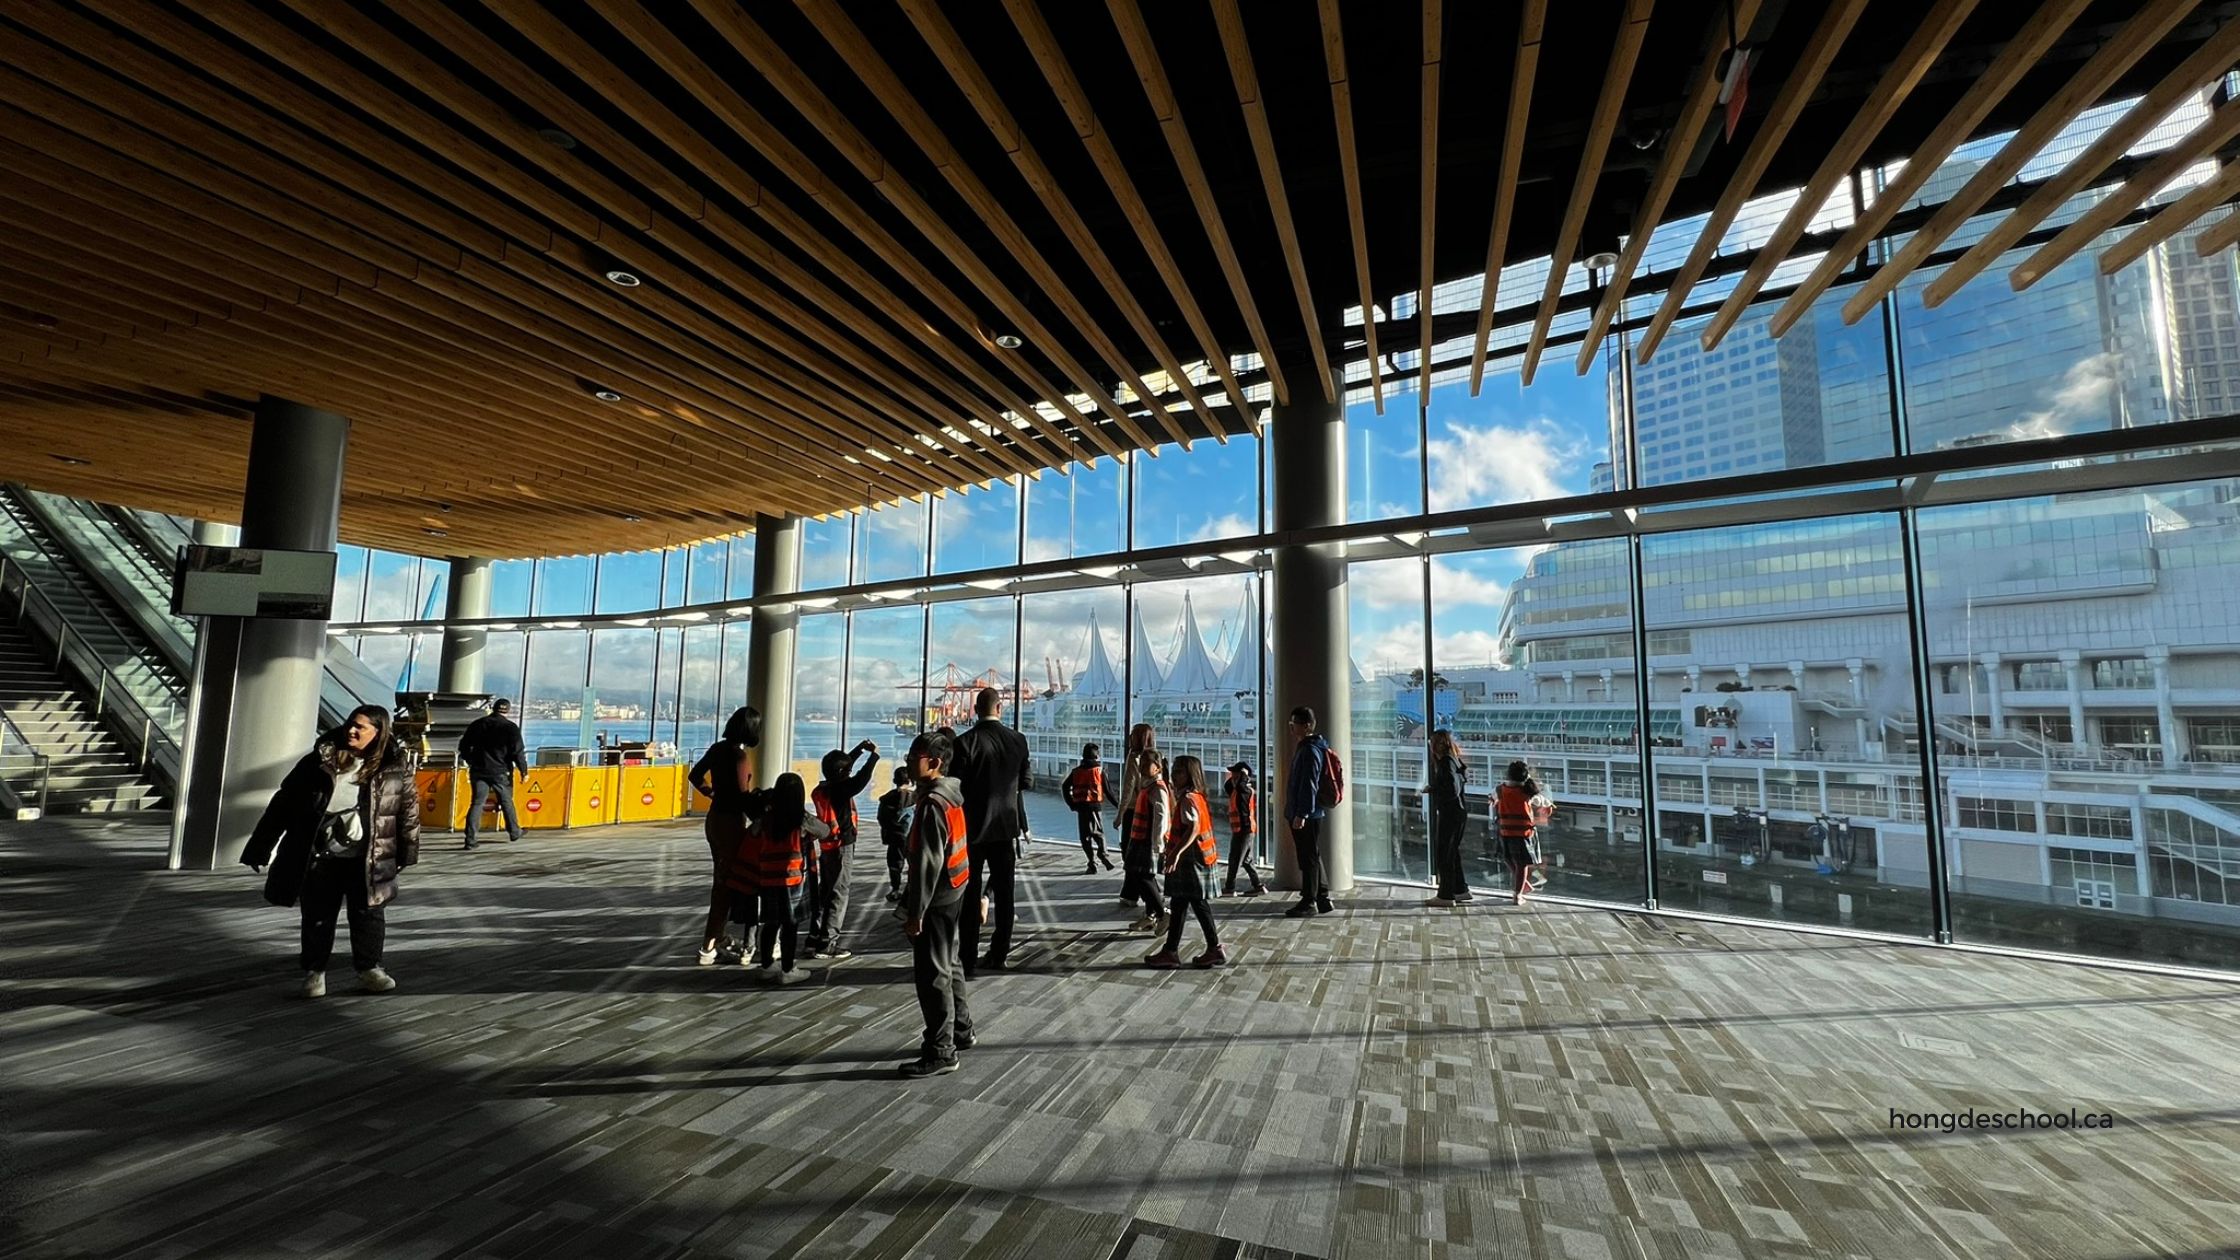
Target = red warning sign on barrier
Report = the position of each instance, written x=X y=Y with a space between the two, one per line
x=646 y=799
x=533 y=805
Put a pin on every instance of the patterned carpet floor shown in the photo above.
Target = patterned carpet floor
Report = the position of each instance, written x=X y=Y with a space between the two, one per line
x=554 y=1077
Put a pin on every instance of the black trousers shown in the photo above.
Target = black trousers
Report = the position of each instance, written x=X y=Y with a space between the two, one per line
x=1446 y=858
x=1091 y=822
x=331 y=888
x=503 y=788
x=830 y=914
x=1143 y=878
x=894 y=866
x=1191 y=887
x=1240 y=855
x=780 y=922
x=938 y=968
x=995 y=871
x=1314 y=881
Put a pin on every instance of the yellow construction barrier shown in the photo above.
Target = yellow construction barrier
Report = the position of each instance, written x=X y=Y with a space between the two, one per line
x=542 y=798
x=591 y=793
x=439 y=793
x=648 y=793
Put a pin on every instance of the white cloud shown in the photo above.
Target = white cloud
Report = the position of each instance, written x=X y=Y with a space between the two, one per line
x=1453 y=586
x=2084 y=394
x=1466 y=649
x=1505 y=464
x=1226 y=525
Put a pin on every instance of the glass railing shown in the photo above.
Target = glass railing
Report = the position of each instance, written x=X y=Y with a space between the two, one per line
x=149 y=730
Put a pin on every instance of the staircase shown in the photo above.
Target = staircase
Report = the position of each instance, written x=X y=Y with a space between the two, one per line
x=150 y=673
x=89 y=770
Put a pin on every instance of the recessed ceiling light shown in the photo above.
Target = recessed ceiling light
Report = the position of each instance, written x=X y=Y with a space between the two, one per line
x=603 y=393
x=71 y=460
x=438 y=533
x=1601 y=260
x=1009 y=341
x=632 y=517
x=555 y=137
x=624 y=278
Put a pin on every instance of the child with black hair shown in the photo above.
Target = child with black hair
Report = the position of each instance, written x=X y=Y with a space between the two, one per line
x=1084 y=793
x=894 y=828
x=789 y=839
x=1244 y=822
x=932 y=906
x=1150 y=815
x=834 y=801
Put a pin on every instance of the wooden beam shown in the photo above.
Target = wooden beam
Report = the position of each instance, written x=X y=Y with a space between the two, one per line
x=2091 y=82
x=802 y=92
x=1679 y=145
x=1602 y=128
x=1427 y=193
x=1530 y=23
x=1796 y=90
x=2020 y=55
x=2219 y=237
x=1247 y=82
x=1890 y=92
x=2171 y=219
x=2214 y=57
x=2213 y=134
x=841 y=32
x=1143 y=50
x=1121 y=180
x=1349 y=162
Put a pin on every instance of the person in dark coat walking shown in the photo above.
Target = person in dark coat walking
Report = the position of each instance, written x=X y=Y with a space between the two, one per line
x=894 y=828
x=1302 y=808
x=992 y=767
x=344 y=822
x=1084 y=792
x=490 y=752
x=725 y=775
x=1450 y=815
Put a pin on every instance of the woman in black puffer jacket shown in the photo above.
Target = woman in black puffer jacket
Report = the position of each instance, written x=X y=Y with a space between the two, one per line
x=344 y=822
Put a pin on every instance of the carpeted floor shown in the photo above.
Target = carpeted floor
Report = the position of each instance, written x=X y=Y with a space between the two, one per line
x=554 y=1077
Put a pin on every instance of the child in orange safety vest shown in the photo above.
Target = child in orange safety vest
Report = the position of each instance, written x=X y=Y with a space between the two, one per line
x=937 y=867
x=786 y=840
x=1084 y=793
x=1150 y=814
x=1188 y=859
x=1244 y=822
x=835 y=803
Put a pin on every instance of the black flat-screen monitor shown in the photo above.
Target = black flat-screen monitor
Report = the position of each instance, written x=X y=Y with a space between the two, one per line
x=252 y=582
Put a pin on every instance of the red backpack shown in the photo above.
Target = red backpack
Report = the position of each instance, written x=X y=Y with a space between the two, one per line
x=1331 y=792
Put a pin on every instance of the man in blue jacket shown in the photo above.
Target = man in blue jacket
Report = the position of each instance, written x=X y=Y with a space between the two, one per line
x=1303 y=809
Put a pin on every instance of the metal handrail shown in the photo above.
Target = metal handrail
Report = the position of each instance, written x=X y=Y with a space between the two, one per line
x=59 y=562
x=41 y=764
x=155 y=742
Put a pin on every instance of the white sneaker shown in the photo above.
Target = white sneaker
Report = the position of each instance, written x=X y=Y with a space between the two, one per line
x=375 y=980
x=314 y=984
x=1142 y=924
x=706 y=958
x=795 y=976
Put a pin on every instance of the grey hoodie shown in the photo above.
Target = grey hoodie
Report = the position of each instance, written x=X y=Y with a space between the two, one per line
x=925 y=881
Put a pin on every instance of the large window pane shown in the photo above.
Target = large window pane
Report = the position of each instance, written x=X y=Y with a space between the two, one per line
x=668 y=662
x=1385 y=769
x=1191 y=656
x=501 y=665
x=509 y=587
x=1489 y=703
x=1384 y=456
x=622 y=668
x=424 y=663
x=1073 y=653
x=392 y=583
x=349 y=584
x=674 y=562
x=977 y=529
x=389 y=657
x=820 y=668
x=2088 y=747
x=700 y=711
x=738 y=645
x=1519 y=444
x=629 y=581
x=886 y=692
x=564 y=586
x=704 y=583
x=552 y=711
x=894 y=542
x=1209 y=492
x=742 y=567
x=825 y=548
x=1783 y=700
x=971 y=646
x=1820 y=394
x=1079 y=511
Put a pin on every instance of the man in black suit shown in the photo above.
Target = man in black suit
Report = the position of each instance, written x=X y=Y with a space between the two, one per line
x=992 y=765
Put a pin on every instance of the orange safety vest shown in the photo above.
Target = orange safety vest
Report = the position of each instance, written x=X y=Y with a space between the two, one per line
x=1139 y=816
x=1511 y=810
x=743 y=872
x=831 y=817
x=957 y=863
x=782 y=864
x=1209 y=854
x=1244 y=813
x=1087 y=785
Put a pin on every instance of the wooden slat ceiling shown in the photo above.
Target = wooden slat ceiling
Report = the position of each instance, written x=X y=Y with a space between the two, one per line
x=842 y=213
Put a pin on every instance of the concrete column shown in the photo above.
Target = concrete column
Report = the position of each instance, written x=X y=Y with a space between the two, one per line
x=1742 y=675
x=202 y=694
x=1608 y=677
x=1570 y=687
x=258 y=712
x=1994 y=692
x=1312 y=631
x=2174 y=748
x=2072 y=668
x=770 y=636
x=1695 y=678
x=466 y=597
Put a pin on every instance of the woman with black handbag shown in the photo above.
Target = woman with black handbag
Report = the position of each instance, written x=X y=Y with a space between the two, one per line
x=345 y=821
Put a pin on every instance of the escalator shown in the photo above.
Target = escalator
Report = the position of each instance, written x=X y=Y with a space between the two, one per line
x=90 y=587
